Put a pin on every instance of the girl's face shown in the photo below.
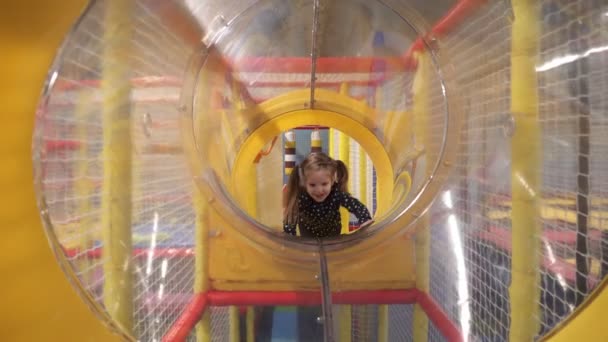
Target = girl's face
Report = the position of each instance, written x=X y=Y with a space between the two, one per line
x=318 y=184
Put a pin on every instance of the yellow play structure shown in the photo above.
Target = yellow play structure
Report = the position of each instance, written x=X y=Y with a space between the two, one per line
x=147 y=144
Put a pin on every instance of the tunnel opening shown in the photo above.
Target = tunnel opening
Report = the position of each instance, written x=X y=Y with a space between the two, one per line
x=236 y=104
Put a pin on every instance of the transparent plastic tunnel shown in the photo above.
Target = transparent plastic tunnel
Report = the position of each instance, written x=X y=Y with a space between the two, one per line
x=475 y=132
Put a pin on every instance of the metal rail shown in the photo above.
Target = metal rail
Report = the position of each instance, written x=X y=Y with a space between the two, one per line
x=327 y=317
x=314 y=52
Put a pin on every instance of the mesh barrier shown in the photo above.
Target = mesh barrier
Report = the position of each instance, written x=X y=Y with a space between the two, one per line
x=469 y=276
x=220 y=324
x=474 y=214
x=572 y=74
x=397 y=330
x=71 y=163
x=364 y=322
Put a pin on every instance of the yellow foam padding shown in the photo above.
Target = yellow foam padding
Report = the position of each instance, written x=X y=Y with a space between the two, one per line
x=587 y=323
x=38 y=302
x=597 y=219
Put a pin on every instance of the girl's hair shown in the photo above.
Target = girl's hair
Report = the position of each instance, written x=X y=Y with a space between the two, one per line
x=297 y=181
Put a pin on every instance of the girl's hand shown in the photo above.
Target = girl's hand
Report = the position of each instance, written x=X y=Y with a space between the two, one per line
x=366 y=224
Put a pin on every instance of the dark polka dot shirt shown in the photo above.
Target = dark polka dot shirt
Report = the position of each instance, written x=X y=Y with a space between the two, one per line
x=323 y=219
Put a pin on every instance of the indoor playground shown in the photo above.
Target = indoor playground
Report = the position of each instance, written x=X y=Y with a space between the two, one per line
x=147 y=146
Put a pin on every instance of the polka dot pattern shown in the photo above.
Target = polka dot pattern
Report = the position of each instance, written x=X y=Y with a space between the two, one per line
x=322 y=219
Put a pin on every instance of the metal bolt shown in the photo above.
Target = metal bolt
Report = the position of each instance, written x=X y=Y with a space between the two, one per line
x=434 y=45
x=508 y=127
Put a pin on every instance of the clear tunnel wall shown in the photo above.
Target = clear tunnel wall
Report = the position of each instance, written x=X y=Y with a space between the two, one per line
x=247 y=68
x=260 y=51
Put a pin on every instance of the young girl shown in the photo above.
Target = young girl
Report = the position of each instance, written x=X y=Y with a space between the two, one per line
x=316 y=190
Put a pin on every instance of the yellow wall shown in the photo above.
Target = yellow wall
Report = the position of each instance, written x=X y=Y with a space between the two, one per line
x=269 y=187
x=38 y=303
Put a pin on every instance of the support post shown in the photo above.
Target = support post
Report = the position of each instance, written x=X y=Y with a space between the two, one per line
x=116 y=196
x=201 y=262
x=421 y=109
x=346 y=311
x=526 y=154
x=344 y=156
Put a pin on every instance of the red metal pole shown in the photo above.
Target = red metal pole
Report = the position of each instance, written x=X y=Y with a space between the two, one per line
x=187 y=320
x=449 y=22
x=441 y=320
x=221 y=298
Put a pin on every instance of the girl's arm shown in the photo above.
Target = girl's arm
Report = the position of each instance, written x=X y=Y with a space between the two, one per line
x=355 y=206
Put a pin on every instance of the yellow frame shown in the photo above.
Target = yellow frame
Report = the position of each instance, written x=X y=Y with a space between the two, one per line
x=245 y=266
x=279 y=124
x=526 y=165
